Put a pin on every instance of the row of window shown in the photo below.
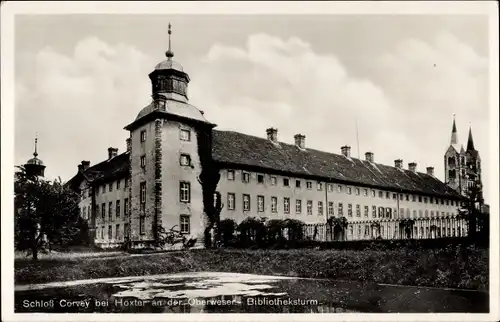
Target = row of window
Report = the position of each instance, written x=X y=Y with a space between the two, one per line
x=87 y=211
x=245 y=177
x=184 y=135
x=105 y=188
x=382 y=212
x=184 y=160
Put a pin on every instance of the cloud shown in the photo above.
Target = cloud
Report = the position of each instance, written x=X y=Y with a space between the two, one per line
x=403 y=104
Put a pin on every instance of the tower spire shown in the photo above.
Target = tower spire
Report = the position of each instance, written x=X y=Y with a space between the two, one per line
x=35 y=154
x=470 y=141
x=169 y=52
x=454 y=139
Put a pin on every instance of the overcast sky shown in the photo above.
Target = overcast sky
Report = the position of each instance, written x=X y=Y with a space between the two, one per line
x=81 y=79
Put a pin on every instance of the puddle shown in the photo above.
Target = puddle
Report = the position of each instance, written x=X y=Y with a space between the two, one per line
x=214 y=292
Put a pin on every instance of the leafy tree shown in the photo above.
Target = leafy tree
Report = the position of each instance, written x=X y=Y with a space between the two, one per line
x=471 y=211
x=227 y=229
x=406 y=226
x=338 y=225
x=295 y=229
x=46 y=213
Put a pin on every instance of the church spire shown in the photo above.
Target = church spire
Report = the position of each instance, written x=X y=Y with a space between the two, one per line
x=454 y=138
x=169 y=52
x=470 y=141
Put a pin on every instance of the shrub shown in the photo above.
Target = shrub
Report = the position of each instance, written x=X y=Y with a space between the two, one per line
x=227 y=229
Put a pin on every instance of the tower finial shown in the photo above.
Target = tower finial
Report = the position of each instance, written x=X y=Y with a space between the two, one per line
x=454 y=139
x=169 y=52
x=35 y=154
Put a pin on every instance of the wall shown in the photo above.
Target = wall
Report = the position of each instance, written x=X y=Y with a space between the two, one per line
x=174 y=173
x=419 y=211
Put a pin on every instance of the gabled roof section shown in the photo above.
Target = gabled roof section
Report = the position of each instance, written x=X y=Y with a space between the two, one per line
x=240 y=149
x=113 y=168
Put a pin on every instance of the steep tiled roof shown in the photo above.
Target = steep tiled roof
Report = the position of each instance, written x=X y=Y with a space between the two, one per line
x=241 y=149
x=108 y=169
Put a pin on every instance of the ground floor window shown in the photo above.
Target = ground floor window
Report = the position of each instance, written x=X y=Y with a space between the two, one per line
x=185 y=224
x=110 y=232
x=142 y=225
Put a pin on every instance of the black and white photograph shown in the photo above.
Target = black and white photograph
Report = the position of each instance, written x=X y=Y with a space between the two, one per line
x=328 y=160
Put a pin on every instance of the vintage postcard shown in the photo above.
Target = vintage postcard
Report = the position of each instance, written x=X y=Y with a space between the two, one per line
x=250 y=161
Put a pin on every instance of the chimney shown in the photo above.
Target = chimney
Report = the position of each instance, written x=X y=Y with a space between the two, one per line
x=300 y=140
x=84 y=165
x=112 y=152
x=398 y=163
x=412 y=166
x=346 y=151
x=430 y=171
x=272 y=134
x=129 y=144
x=369 y=156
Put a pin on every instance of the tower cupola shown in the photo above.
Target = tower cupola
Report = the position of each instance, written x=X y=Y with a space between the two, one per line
x=35 y=166
x=168 y=77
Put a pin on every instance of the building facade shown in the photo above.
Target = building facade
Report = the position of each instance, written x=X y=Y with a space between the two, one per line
x=156 y=182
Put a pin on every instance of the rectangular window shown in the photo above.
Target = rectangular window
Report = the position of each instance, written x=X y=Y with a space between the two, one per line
x=103 y=209
x=330 y=187
x=230 y=201
x=117 y=208
x=143 y=136
x=349 y=210
x=274 y=204
x=245 y=177
x=374 y=194
x=349 y=190
x=260 y=178
x=142 y=196
x=298 y=206
x=401 y=213
x=319 y=185
x=260 y=203
x=394 y=196
x=358 y=211
x=125 y=207
x=110 y=210
x=126 y=184
x=286 y=182
x=142 y=224
x=374 y=211
x=339 y=188
x=309 y=207
x=143 y=161
x=367 y=210
x=357 y=191
x=388 y=213
x=246 y=202
x=309 y=185
x=185 y=160
x=286 y=205
x=388 y=195
x=415 y=214
x=330 y=208
x=365 y=192
x=184 y=224
x=273 y=180
x=117 y=232
x=340 y=209
x=425 y=199
x=185 y=191
x=419 y=198
x=118 y=184
x=230 y=174
x=442 y=201
x=185 y=135
x=89 y=213
x=320 y=208
x=407 y=197
x=125 y=230
x=110 y=187
x=110 y=232
x=297 y=184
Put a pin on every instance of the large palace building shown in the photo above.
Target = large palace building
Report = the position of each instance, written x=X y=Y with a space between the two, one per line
x=155 y=182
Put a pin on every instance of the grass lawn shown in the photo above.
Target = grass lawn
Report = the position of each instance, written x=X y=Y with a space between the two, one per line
x=455 y=267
